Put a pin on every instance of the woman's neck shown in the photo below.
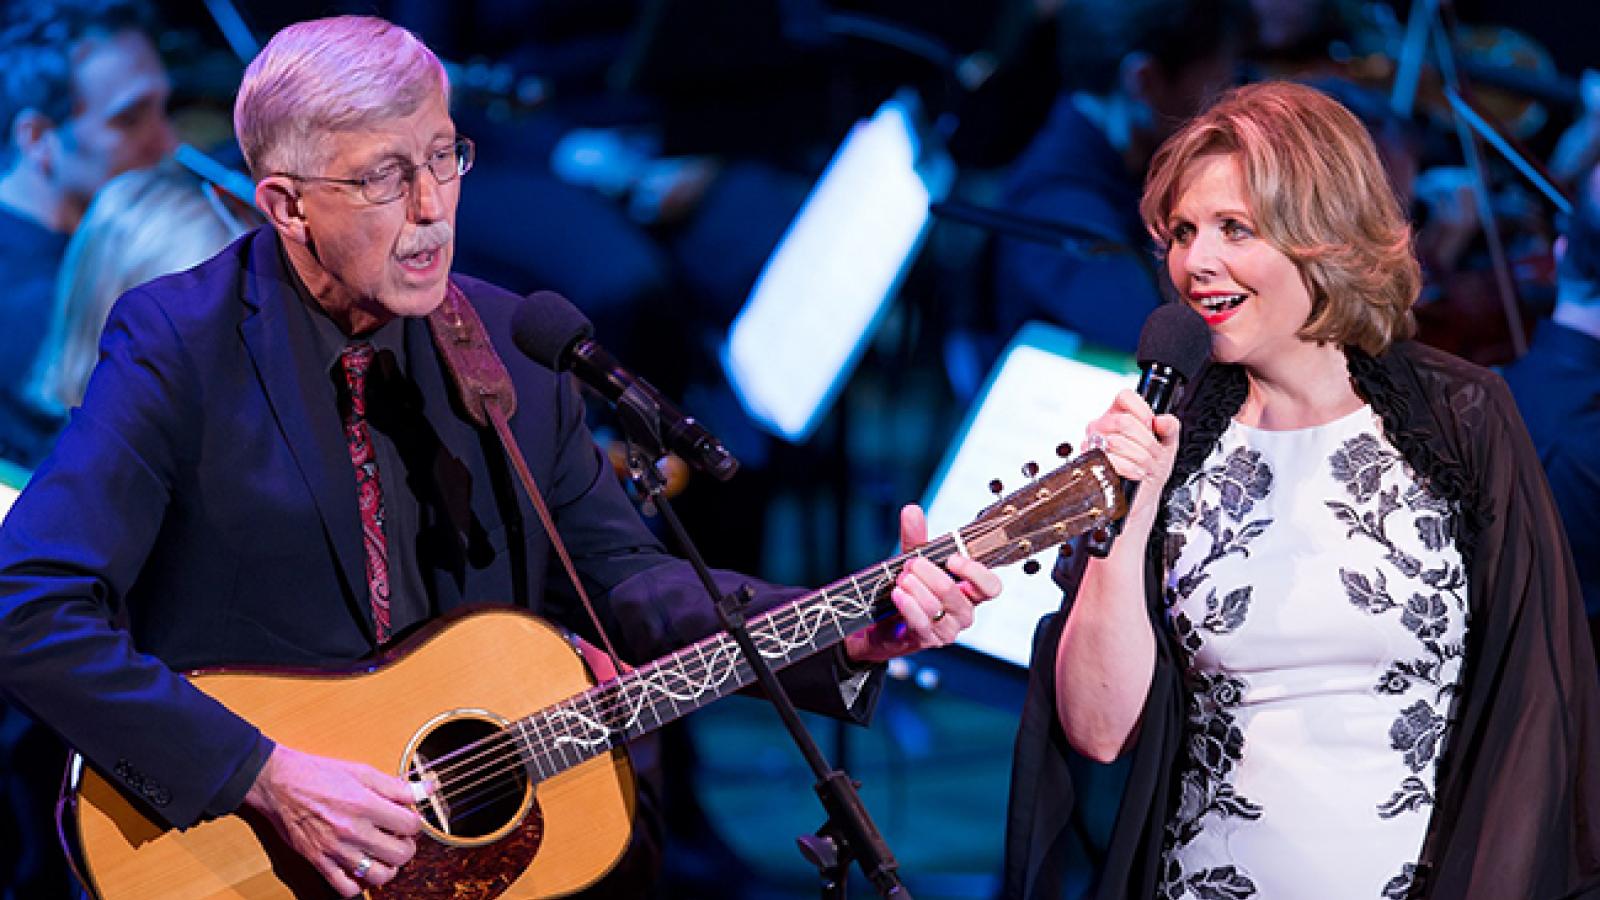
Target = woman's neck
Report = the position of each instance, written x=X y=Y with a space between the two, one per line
x=1313 y=389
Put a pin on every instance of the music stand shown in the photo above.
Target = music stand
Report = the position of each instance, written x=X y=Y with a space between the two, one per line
x=1045 y=389
x=827 y=286
x=12 y=479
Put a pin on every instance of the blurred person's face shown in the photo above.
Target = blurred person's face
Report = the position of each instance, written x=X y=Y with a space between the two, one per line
x=1252 y=296
x=366 y=262
x=119 y=120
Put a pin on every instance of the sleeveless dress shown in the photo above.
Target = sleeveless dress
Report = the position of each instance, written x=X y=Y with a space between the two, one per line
x=1321 y=607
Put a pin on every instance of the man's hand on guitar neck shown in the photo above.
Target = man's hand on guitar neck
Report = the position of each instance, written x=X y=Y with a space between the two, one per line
x=934 y=606
x=357 y=825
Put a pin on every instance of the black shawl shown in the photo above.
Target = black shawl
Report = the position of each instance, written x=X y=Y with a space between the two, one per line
x=1518 y=790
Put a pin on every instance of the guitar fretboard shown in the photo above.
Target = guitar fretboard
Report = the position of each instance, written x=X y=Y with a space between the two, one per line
x=559 y=737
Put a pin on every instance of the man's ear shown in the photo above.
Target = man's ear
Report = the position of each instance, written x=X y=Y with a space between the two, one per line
x=280 y=203
x=33 y=134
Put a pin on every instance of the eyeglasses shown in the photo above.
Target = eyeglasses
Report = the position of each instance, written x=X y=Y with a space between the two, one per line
x=392 y=180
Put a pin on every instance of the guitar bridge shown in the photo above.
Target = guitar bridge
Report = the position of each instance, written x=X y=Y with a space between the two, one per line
x=422 y=772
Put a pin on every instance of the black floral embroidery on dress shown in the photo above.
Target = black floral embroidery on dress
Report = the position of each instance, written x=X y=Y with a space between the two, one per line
x=1215 y=742
x=1433 y=522
x=1417 y=734
x=1425 y=617
x=1374 y=524
x=1400 y=887
x=1188 y=638
x=1241 y=481
x=1419 y=731
x=1221 y=883
x=1371 y=595
x=1181 y=509
x=1360 y=464
x=1413 y=794
x=1226 y=616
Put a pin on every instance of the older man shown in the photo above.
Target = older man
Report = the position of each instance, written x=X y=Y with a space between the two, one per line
x=207 y=492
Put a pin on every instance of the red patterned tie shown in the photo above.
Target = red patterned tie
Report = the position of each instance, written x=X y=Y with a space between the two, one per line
x=357 y=359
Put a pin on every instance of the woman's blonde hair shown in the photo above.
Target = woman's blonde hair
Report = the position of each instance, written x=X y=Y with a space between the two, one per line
x=141 y=225
x=1318 y=193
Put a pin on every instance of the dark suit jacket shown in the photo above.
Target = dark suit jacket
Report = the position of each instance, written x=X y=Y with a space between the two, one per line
x=202 y=499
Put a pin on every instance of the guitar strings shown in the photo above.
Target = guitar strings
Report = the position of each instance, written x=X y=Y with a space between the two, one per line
x=447 y=767
x=488 y=759
x=482 y=762
x=491 y=753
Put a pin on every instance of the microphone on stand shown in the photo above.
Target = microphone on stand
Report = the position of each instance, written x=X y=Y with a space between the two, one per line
x=553 y=333
x=1173 y=344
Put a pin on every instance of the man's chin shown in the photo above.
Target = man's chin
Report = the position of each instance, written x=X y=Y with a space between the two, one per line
x=416 y=301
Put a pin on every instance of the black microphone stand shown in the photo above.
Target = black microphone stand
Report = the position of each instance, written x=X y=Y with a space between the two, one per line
x=849 y=835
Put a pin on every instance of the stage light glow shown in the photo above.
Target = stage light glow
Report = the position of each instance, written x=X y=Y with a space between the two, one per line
x=828 y=284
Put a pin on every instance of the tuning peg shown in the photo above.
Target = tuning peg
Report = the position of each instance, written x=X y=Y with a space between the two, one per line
x=1066 y=549
x=1031 y=567
x=1064 y=450
x=1030 y=469
x=995 y=487
x=1100 y=536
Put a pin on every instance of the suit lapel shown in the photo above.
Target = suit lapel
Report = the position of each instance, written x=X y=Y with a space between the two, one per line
x=305 y=403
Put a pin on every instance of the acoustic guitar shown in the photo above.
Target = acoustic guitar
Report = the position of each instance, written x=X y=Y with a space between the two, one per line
x=535 y=793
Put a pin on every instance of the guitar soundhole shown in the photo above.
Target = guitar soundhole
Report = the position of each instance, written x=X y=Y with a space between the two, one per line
x=484 y=788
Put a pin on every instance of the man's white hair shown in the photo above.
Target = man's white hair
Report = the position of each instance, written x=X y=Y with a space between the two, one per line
x=328 y=75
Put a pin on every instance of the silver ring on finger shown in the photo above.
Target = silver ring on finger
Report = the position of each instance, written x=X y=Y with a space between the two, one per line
x=1095 y=441
x=938 y=616
x=362 y=868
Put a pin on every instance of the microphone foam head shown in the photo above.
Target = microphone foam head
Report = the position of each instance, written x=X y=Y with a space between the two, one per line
x=546 y=325
x=1175 y=335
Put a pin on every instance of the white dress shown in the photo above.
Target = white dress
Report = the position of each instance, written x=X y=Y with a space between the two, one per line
x=1321 y=606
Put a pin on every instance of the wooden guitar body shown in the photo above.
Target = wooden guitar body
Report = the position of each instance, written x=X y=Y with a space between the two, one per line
x=465 y=678
x=535 y=796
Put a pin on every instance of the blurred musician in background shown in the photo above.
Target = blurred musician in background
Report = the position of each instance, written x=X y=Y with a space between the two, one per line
x=1557 y=388
x=82 y=98
x=1133 y=70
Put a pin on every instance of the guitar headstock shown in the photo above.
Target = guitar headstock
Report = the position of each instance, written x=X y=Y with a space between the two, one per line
x=1053 y=508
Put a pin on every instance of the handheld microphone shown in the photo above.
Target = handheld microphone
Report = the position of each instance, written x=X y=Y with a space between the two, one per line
x=1173 y=344
x=552 y=332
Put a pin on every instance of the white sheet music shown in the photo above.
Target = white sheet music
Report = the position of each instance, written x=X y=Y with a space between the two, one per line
x=1038 y=396
x=8 y=496
x=830 y=280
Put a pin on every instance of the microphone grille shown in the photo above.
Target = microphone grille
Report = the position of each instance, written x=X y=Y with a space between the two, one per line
x=1175 y=335
x=545 y=326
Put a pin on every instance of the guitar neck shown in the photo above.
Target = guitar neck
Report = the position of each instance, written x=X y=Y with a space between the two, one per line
x=644 y=699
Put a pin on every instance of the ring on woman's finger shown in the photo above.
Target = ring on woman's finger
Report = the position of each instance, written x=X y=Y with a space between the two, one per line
x=362 y=868
x=938 y=616
x=1095 y=441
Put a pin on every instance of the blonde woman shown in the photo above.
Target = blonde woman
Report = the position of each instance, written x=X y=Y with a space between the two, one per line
x=1340 y=639
x=141 y=225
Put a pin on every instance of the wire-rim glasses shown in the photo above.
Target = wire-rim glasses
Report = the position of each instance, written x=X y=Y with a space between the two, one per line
x=392 y=180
